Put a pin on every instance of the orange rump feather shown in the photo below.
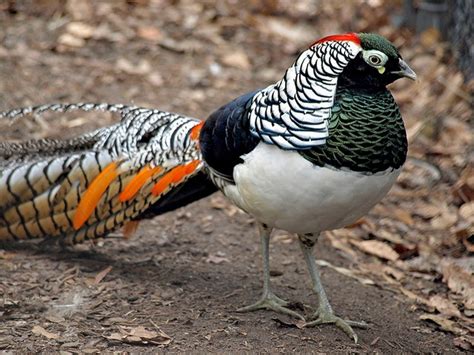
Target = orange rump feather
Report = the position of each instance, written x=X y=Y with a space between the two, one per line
x=94 y=192
x=137 y=182
x=174 y=176
x=195 y=131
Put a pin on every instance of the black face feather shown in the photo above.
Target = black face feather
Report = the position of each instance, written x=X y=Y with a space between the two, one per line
x=360 y=74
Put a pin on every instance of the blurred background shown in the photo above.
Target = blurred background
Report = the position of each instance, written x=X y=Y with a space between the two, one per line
x=193 y=56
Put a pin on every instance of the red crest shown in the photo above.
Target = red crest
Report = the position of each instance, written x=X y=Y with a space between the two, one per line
x=352 y=37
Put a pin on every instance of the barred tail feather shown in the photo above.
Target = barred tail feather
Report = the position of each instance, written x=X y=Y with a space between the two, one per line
x=87 y=186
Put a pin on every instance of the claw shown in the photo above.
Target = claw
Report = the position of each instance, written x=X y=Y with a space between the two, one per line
x=271 y=302
x=327 y=317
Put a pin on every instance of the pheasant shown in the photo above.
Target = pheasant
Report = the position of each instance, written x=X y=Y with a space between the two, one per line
x=313 y=152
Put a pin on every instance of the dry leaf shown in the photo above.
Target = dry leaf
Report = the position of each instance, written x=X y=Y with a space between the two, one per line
x=443 y=322
x=156 y=79
x=466 y=211
x=346 y=272
x=426 y=210
x=100 y=276
x=444 y=306
x=413 y=296
x=80 y=30
x=458 y=274
x=430 y=37
x=53 y=318
x=141 y=332
x=237 y=59
x=403 y=215
x=142 y=67
x=69 y=40
x=465 y=342
x=215 y=259
x=444 y=221
x=150 y=33
x=38 y=330
x=293 y=32
x=80 y=9
x=140 y=335
x=377 y=248
x=341 y=244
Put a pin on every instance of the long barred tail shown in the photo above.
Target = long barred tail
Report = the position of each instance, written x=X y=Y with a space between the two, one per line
x=60 y=107
x=85 y=141
x=86 y=194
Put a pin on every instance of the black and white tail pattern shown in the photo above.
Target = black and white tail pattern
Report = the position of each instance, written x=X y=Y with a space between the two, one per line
x=87 y=186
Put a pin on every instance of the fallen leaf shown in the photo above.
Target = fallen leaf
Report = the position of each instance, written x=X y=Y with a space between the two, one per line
x=413 y=296
x=54 y=318
x=150 y=33
x=237 y=59
x=346 y=272
x=430 y=37
x=443 y=322
x=100 y=276
x=403 y=215
x=156 y=79
x=66 y=39
x=458 y=275
x=444 y=221
x=6 y=255
x=218 y=203
x=284 y=324
x=466 y=211
x=216 y=259
x=465 y=342
x=377 y=248
x=140 y=335
x=426 y=210
x=143 y=333
x=38 y=330
x=80 y=9
x=116 y=336
x=142 y=67
x=295 y=32
x=444 y=306
x=80 y=30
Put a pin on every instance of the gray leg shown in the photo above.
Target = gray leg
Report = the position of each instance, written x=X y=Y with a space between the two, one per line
x=324 y=314
x=268 y=300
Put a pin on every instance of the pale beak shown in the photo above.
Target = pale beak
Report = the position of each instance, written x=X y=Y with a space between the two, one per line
x=405 y=70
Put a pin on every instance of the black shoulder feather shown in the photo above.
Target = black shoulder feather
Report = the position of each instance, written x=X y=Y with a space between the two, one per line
x=226 y=136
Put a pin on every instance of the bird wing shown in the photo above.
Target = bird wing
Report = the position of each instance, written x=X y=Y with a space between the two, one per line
x=85 y=187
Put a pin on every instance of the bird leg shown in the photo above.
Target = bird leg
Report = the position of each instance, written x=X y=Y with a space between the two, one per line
x=324 y=313
x=268 y=300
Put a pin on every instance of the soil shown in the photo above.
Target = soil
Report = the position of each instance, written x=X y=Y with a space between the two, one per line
x=184 y=273
x=188 y=272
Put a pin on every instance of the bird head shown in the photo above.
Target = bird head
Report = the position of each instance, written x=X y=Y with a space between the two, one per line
x=377 y=63
x=294 y=112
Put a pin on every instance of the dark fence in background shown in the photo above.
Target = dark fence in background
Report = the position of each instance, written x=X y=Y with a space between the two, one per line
x=455 y=21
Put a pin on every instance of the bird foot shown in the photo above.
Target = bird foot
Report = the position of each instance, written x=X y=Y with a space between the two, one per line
x=325 y=316
x=271 y=302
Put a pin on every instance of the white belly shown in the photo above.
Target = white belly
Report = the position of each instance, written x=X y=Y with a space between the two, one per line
x=285 y=191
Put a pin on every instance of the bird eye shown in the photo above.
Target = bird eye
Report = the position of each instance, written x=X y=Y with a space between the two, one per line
x=374 y=60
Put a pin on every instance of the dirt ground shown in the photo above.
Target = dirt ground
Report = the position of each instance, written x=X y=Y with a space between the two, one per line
x=176 y=284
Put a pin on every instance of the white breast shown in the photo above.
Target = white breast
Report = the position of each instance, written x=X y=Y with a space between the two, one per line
x=284 y=190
